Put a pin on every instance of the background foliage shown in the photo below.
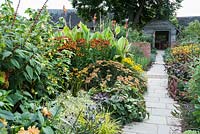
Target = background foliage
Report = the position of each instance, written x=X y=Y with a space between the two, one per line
x=138 y=12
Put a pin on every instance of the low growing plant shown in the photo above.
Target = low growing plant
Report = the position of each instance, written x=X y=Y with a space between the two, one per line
x=81 y=115
x=191 y=132
x=125 y=102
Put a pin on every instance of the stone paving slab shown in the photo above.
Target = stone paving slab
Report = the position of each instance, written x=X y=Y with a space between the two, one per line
x=152 y=99
x=159 y=105
x=142 y=128
x=161 y=112
x=155 y=105
x=157 y=95
x=153 y=119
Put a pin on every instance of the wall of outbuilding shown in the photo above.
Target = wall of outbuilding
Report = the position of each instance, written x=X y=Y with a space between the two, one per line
x=161 y=25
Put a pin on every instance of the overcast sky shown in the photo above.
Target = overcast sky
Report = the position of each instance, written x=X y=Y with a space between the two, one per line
x=189 y=7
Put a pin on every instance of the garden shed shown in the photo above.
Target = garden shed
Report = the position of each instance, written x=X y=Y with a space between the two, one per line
x=163 y=33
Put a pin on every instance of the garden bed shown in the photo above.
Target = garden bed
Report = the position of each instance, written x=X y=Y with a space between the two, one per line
x=182 y=64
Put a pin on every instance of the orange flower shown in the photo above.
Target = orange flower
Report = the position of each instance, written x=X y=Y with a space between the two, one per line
x=81 y=42
x=22 y=131
x=99 y=43
x=46 y=113
x=31 y=130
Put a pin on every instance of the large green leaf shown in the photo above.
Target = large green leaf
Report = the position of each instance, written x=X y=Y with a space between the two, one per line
x=6 y=115
x=67 y=32
x=47 y=130
x=40 y=117
x=86 y=31
x=122 y=47
x=14 y=98
x=20 y=53
x=108 y=34
x=6 y=54
x=15 y=63
x=117 y=30
x=96 y=35
x=29 y=70
x=84 y=28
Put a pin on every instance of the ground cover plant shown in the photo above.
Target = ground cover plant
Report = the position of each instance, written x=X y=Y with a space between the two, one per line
x=81 y=115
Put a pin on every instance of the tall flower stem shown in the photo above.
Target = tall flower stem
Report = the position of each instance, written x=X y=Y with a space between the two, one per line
x=37 y=17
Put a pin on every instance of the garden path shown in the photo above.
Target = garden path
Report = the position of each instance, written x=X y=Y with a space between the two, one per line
x=158 y=103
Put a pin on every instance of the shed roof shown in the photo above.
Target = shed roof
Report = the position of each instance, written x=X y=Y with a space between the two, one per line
x=159 y=24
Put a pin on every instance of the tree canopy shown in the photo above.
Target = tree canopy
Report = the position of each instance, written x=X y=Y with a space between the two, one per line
x=137 y=11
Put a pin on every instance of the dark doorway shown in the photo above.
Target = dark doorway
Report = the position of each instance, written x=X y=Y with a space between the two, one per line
x=161 y=39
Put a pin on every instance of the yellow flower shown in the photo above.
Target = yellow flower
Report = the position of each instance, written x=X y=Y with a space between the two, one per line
x=128 y=61
x=138 y=68
x=185 y=50
x=3 y=121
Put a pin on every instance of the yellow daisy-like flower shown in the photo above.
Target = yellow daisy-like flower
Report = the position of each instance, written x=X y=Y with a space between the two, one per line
x=128 y=61
x=138 y=68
